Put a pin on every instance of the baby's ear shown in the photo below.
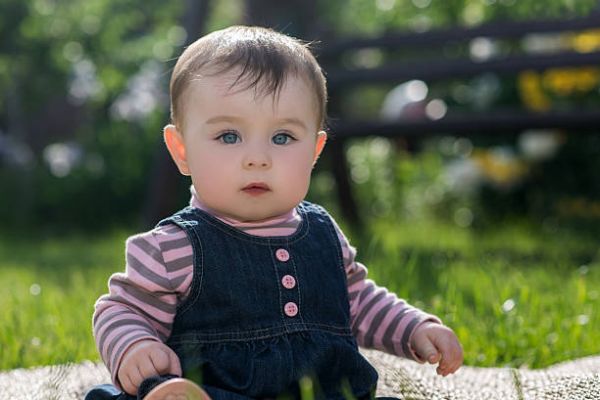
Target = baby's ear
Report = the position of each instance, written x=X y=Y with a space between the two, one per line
x=176 y=146
x=321 y=140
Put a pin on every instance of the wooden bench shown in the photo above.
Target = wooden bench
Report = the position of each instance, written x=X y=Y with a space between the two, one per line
x=342 y=79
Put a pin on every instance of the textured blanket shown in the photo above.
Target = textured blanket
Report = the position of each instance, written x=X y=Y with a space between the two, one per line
x=579 y=379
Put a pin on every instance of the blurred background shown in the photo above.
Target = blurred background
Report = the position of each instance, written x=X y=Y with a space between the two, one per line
x=463 y=163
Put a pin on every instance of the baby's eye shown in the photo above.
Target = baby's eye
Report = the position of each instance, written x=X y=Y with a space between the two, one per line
x=282 y=138
x=229 y=138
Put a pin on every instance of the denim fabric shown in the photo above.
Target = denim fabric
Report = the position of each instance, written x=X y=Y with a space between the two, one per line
x=232 y=332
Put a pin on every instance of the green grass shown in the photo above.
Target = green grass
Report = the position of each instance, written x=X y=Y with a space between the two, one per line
x=516 y=295
x=48 y=293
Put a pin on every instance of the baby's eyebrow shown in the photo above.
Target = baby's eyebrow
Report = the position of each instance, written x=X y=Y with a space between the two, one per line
x=222 y=118
x=231 y=119
x=293 y=121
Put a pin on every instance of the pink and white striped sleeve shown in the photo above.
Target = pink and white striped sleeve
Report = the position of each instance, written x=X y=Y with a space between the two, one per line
x=141 y=302
x=378 y=318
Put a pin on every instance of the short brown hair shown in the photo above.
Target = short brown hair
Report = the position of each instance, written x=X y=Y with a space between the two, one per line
x=264 y=56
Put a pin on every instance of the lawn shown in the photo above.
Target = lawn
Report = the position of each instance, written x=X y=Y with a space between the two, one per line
x=518 y=295
x=48 y=292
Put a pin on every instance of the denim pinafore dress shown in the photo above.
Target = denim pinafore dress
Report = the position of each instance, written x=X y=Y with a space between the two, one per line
x=263 y=312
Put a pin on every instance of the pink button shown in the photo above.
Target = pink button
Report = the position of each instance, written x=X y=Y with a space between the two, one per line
x=288 y=282
x=291 y=309
x=282 y=255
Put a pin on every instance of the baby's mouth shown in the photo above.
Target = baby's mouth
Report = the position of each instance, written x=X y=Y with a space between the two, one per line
x=256 y=188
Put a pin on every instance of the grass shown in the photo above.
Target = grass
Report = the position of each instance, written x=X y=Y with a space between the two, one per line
x=48 y=293
x=516 y=296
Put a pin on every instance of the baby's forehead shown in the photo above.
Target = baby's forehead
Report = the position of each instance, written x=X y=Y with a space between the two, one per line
x=230 y=82
x=225 y=94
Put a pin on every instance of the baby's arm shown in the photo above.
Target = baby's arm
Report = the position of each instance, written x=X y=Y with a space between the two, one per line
x=140 y=306
x=380 y=320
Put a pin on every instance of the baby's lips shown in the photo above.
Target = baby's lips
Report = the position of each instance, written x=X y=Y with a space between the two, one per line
x=256 y=185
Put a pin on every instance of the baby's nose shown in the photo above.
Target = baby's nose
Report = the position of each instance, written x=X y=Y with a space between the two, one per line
x=262 y=164
x=257 y=160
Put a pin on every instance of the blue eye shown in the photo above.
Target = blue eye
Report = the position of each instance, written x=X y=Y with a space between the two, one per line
x=282 y=138
x=229 y=138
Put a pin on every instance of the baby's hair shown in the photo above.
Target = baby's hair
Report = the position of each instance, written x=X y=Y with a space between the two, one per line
x=264 y=57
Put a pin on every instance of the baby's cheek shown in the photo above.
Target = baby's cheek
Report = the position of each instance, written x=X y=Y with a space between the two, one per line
x=210 y=189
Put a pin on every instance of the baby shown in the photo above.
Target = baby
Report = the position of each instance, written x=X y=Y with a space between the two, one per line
x=250 y=288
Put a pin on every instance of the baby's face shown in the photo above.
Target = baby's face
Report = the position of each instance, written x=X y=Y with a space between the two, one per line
x=250 y=158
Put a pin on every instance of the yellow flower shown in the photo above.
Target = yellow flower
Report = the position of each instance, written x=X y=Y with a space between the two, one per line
x=531 y=91
x=566 y=81
x=586 y=41
x=502 y=171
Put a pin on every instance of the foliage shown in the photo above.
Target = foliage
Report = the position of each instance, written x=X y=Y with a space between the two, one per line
x=543 y=174
x=86 y=97
x=452 y=181
x=77 y=60
x=84 y=92
x=360 y=17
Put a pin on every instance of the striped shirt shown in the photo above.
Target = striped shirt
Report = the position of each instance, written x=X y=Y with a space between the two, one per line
x=141 y=302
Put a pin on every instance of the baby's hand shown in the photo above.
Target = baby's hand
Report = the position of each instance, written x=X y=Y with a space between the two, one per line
x=144 y=359
x=438 y=343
